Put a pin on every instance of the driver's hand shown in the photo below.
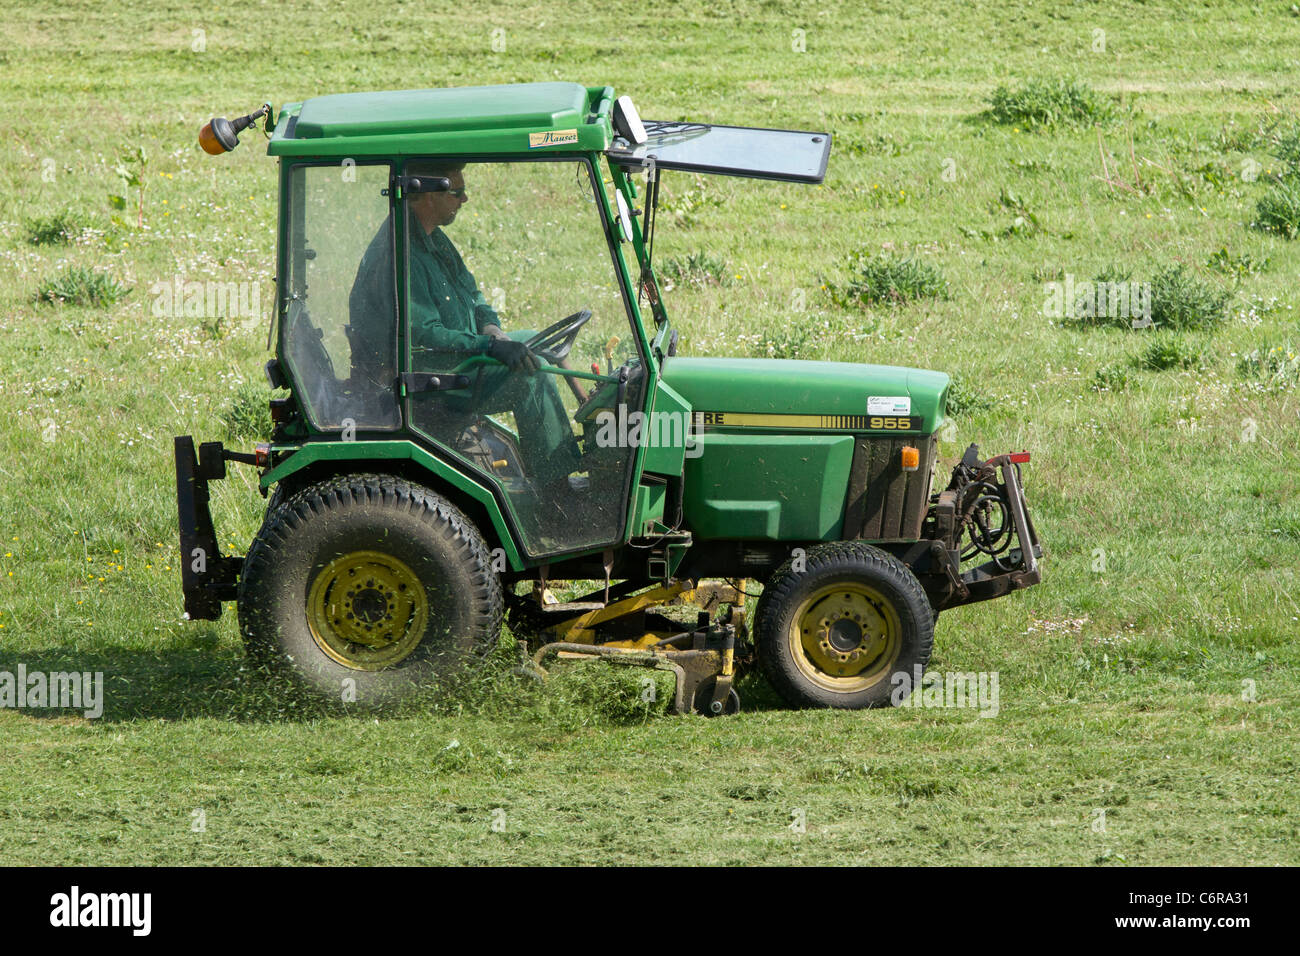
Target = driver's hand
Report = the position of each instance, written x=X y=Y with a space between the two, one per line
x=513 y=354
x=494 y=331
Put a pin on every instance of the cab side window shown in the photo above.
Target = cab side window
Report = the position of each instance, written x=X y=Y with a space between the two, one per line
x=339 y=324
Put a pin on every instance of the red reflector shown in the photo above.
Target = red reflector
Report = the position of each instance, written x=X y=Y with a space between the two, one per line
x=1019 y=457
x=262 y=453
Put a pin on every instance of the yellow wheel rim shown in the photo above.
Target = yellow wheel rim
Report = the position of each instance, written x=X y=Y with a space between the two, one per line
x=367 y=610
x=845 y=637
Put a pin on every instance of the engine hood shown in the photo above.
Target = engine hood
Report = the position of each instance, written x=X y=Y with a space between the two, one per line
x=797 y=387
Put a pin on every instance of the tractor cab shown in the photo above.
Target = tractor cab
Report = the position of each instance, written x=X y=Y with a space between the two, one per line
x=398 y=292
x=418 y=227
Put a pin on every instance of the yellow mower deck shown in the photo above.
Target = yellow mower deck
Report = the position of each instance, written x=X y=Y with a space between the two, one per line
x=702 y=659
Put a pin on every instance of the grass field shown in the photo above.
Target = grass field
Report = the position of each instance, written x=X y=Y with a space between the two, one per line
x=1148 y=709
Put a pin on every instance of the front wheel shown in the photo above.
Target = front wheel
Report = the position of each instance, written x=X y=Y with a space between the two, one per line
x=848 y=626
x=363 y=588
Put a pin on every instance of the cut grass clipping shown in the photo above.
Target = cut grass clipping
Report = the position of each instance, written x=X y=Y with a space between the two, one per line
x=889 y=279
x=1048 y=103
x=77 y=285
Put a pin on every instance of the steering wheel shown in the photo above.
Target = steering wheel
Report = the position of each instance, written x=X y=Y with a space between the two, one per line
x=554 y=342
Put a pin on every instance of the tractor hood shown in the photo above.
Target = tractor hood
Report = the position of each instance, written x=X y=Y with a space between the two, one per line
x=799 y=388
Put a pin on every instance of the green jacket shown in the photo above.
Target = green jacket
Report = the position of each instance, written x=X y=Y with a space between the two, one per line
x=447 y=309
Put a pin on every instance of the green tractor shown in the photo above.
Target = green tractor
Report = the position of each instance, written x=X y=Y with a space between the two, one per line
x=451 y=437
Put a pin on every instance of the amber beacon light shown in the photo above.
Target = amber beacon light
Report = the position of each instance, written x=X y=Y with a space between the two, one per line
x=220 y=135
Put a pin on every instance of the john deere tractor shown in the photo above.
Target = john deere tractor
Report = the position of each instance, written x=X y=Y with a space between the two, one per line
x=485 y=401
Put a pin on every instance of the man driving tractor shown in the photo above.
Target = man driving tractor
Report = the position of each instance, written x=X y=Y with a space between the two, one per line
x=450 y=321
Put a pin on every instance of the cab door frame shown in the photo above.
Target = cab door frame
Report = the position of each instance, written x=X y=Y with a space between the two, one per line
x=591 y=162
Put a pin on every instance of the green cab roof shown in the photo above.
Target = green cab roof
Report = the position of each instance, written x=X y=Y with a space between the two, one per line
x=512 y=118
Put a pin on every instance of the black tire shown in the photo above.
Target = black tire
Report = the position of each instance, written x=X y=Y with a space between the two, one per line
x=704 y=696
x=274 y=500
x=412 y=567
x=874 y=598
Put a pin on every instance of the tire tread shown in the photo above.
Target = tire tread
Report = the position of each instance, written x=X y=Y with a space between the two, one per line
x=341 y=492
x=782 y=590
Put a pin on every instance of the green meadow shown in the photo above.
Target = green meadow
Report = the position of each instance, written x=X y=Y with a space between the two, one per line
x=985 y=159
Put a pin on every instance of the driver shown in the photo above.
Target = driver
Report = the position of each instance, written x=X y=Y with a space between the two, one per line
x=450 y=321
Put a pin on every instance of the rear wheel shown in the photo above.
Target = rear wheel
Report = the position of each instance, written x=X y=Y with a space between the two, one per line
x=366 y=587
x=837 y=632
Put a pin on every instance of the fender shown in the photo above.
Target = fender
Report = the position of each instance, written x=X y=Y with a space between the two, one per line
x=291 y=459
